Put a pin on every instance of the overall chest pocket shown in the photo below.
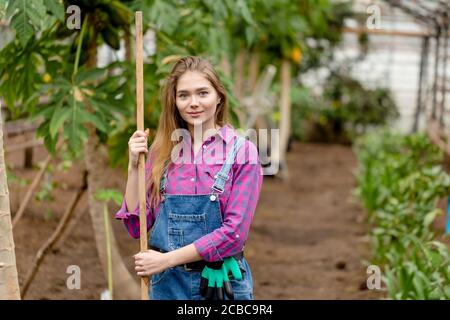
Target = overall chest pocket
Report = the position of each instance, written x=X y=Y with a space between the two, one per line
x=184 y=229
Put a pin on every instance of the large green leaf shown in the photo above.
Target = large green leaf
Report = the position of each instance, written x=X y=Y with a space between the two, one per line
x=109 y=194
x=56 y=7
x=27 y=17
x=164 y=15
x=89 y=75
x=60 y=115
x=94 y=119
x=23 y=28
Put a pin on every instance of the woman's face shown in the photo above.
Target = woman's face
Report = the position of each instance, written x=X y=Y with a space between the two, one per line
x=196 y=99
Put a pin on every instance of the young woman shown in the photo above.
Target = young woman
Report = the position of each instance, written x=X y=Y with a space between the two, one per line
x=202 y=192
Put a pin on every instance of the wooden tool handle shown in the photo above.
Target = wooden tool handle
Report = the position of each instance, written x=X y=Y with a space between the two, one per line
x=140 y=126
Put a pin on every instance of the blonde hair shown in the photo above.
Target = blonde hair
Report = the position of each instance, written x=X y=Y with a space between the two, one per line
x=170 y=118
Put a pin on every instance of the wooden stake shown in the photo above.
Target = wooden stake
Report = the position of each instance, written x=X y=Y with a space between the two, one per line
x=32 y=188
x=140 y=126
x=285 y=116
x=47 y=246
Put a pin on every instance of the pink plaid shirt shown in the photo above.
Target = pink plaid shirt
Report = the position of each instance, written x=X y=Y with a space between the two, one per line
x=237 y=202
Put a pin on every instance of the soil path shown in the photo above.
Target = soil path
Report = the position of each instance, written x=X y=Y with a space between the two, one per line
x=309 y=239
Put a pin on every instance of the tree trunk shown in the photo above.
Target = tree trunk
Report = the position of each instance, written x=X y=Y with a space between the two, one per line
x=95 y=155
x=225 y=66
x=9 y=282
x=238 y=89
x=128 y=45
x=253 y=76
x=239 y=74
x=253 y=72
x=285 y=113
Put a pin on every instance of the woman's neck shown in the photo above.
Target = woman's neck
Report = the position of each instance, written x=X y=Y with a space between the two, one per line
x=200 y=133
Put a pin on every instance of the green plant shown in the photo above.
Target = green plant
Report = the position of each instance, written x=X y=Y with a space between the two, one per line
x=423 y=274
x=304 y=108
x=14 y=179
x=384 y=159
x=105 y=195
x=45 y=192
x=351 y=108
x=399 y=183
x=344 y=111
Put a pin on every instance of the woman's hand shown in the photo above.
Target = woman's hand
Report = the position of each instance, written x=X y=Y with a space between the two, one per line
x=150 y=262
x=136 y=145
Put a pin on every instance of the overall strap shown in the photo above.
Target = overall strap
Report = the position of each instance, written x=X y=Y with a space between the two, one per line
x=162 y=184
x=222 y=176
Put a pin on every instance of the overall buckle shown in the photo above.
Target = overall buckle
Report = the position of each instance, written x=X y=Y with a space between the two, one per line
x=216 y=189
x=223 y=176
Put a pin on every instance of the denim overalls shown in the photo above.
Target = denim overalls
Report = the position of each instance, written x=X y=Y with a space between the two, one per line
x=181 y=220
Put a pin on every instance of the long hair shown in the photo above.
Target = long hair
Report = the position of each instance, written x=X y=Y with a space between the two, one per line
x=170 y=118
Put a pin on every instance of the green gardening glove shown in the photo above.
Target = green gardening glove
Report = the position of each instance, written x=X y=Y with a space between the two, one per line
x=215 y=280
x=231 y=265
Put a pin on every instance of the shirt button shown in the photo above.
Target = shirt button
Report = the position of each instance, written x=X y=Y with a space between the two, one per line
x=194 y=162
x=204 y=146
x=192 y=179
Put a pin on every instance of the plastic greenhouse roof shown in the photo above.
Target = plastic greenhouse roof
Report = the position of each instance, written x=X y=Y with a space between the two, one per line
x=429 y=12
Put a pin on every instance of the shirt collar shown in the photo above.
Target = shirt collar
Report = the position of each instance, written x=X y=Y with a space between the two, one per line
x=226 y=132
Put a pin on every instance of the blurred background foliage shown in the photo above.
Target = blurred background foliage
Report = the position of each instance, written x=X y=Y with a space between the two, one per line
x=344 y=110
x=54 y=61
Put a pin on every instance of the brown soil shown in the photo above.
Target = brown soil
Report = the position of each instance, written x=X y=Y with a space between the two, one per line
x=308 y=239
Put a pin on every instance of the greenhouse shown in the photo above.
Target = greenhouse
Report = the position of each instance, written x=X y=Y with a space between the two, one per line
x=225 y=150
